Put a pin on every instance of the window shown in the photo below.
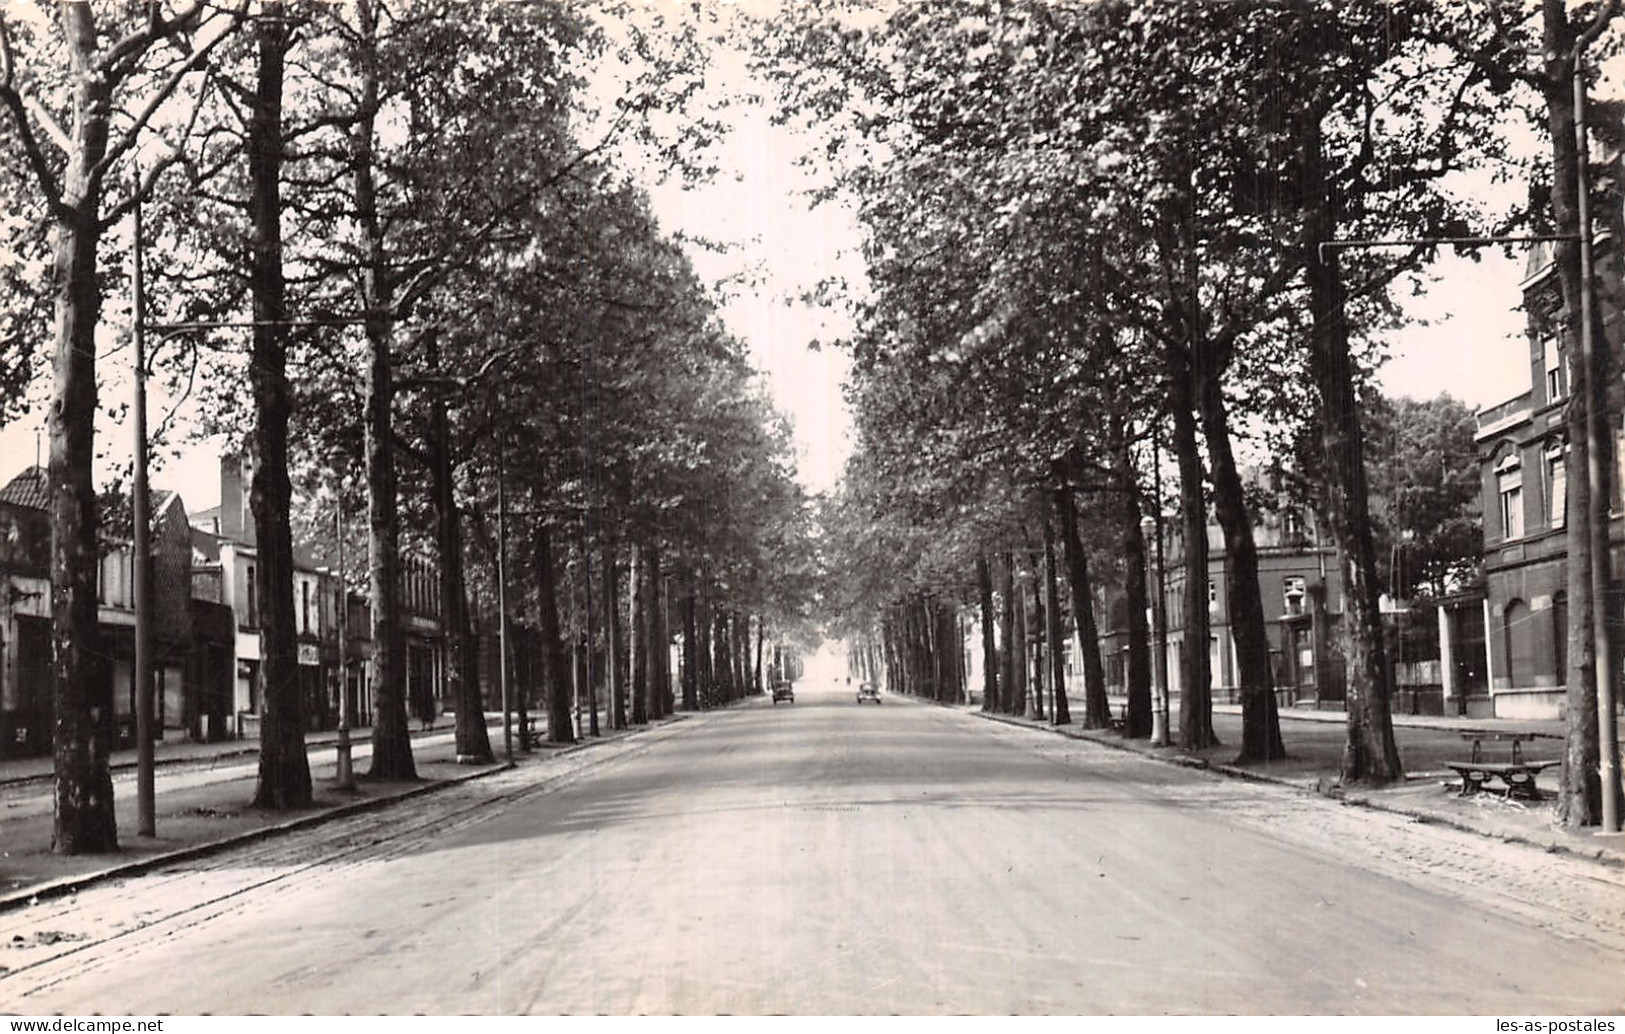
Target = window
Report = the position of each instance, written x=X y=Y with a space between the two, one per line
x=1291 y=526
x=1518 y=632
x=1557 y=484
x=1509 y=483
x=115 y=579
x=1560 y=634
x=1294 y=592
x=1212 y=595
x=304 y=606
x=1555 y=379
x=251 y=599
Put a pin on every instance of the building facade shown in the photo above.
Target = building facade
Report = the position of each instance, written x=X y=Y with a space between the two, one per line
x=25 y=620
x=1301 y=590
x=206 y=622
x=1523 y=458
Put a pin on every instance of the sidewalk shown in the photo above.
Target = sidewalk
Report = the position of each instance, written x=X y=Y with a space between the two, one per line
x=1314 y=743
x=202 y=797
x=176 y=750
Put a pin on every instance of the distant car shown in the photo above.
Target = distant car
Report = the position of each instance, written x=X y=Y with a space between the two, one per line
x=868 y=691
x=782 y=691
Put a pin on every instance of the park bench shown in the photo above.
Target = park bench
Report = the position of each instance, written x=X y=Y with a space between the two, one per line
x=1517 y=775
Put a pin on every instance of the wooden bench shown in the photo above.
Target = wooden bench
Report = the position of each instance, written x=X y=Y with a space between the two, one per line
x=1517 y=775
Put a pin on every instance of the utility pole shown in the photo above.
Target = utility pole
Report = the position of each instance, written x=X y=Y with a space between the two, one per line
x=141 y=544
x=1596 y=520
x=502 y=593
x=1159 y=610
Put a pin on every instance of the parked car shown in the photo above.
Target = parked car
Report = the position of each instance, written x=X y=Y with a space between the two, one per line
x=782 y=691
x=868 y=691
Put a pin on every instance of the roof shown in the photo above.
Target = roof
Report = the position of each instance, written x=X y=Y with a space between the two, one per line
x=1541 y=258
x=31 y=488
x=206 y=545
x=205 y=518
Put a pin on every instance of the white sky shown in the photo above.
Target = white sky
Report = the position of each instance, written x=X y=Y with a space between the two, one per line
x=780 y=248
x=1472 y=343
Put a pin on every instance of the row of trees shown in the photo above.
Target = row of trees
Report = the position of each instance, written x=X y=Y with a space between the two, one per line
x=393 y=254
x=1096 y=233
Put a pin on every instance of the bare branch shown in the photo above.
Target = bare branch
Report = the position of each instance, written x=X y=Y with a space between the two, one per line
x=118 y=148
x=143 y=190
x=19 y=106
x=132 y=45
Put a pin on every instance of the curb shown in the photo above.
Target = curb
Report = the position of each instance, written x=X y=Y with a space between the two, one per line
x=1434 y=726
x=129 y=766
x=248 y=749
x=1336 y=794
x=69 y=885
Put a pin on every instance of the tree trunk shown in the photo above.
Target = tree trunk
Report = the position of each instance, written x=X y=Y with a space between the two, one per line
x=891 y=645
x=655 y=705
x=1370 y=753
x=663 y=618
x=1126 y=505
x=1579 y=800
x=925 y=652
x=613 y=638
x=1196 y=691
x=691 y=675
x=703 y=668
x=1038 y=637
x=555 y=662
x=1007 y=629
x=1097 y=712
x=990 y=655
x=721 y=666
x=589 y=677
x=284 y=770
x=82 y=687
x=1018 y=645
x=638 y=639
x=1057 y=646
x=1260 y=722
x=462 y=682
x=739 y=644
x=391 y=738
x=761 y=646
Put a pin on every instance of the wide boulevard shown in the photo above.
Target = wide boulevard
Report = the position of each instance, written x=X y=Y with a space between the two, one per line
x=827 y=857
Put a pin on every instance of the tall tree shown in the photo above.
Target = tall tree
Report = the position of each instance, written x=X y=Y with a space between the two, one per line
x=1426 y=489
x=104 y=82
x=1057 y=645
x=555 y=663
x=1564 y=36
x=284 y=767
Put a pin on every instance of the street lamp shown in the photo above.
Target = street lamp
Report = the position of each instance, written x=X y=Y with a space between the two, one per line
x=344 y=774
x=141 y=544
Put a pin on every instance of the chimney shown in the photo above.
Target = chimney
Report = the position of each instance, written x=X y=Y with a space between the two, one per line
x=236 y=519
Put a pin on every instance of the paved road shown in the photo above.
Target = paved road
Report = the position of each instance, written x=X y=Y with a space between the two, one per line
x=822 y=857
